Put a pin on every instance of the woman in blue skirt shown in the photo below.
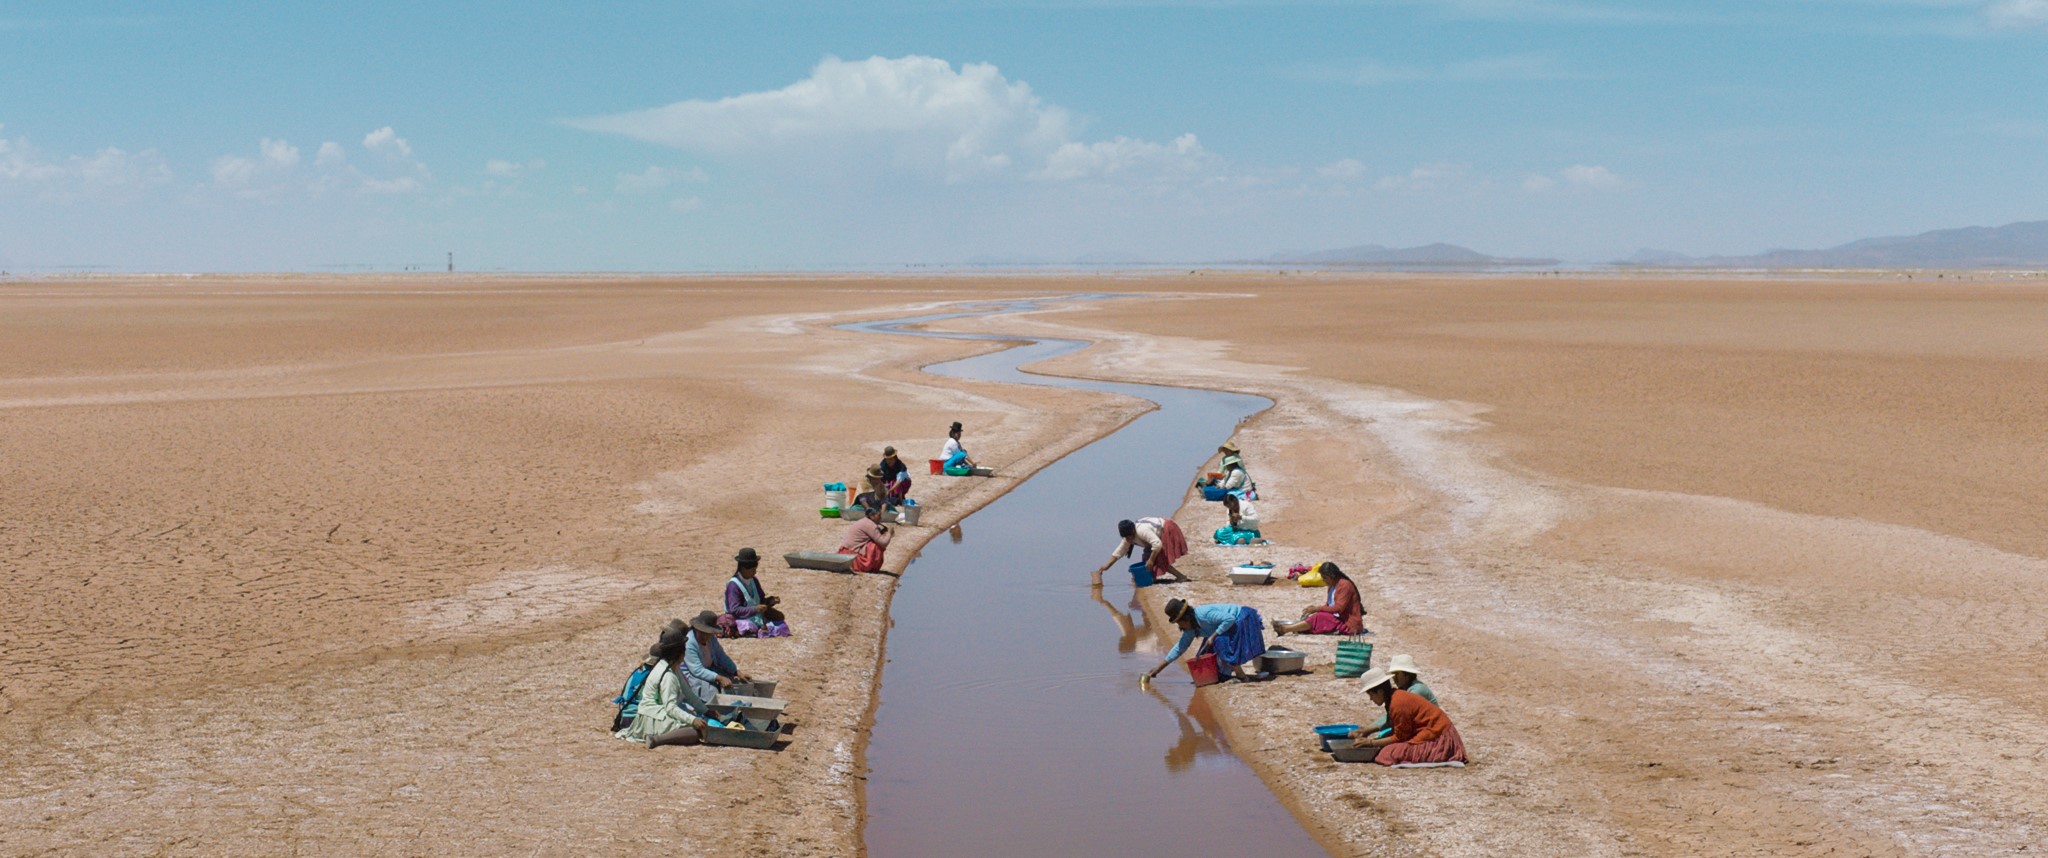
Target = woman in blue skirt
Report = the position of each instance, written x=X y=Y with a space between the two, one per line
x=1234 y=633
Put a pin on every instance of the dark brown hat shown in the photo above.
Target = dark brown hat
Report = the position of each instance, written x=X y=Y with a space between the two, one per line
x=673 y=636
x=748 y=556
x=1174 y=608
x=706 y=622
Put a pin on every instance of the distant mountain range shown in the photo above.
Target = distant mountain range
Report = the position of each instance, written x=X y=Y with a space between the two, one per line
x=2015 y=245
x=1448 y=255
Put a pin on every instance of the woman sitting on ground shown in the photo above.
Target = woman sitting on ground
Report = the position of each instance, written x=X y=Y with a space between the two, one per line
x=1407 y=678
x=897 y=475
x=706 y=667
x=1159 y=537
x=749 y=610
x=955 y=456
x=1243 y=528
x=1341 y=613
x=1420 y=733
x=670 y=713
x=877 y=494
x=867 y=540
x=1234 y=633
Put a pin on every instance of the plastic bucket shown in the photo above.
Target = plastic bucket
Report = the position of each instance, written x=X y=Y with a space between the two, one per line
x=835 y=498
x=1214 y=493
x=908 y=513
x=1141 y=575
x=938 y=466
x=1202 y=669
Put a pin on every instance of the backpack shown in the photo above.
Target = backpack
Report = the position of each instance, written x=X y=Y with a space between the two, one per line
x=628 y=700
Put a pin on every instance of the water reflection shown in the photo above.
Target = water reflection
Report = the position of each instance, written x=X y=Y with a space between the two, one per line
x=1200 y=735
x=954 y=532
x=1128 y=632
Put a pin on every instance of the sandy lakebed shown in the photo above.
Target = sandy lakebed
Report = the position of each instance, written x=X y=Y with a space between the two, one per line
x=1699 y=566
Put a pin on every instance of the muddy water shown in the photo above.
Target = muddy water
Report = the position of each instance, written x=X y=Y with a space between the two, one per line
x=1011 y=721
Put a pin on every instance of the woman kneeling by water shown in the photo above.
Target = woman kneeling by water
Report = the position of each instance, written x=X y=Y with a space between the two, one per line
x=1159 y=537
x=1233 y=632
x=669 y=712
x=749 y=610
x=1422 y=735
x=1339 y=614
x=867 y=540
x=955 y=456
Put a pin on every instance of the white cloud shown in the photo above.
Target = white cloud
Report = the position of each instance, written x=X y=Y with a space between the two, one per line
x=512 y=169
x=330 y=154
x=912 y=114
x=400 y=185
x=387 y=143
x=1345 y=170
x=1578 y=177
x=1124 y=155
x=1434 y=177
x=1591 y=178
x=111 y=172
x=2017 y=14
x=655 y=178
x=273 y=158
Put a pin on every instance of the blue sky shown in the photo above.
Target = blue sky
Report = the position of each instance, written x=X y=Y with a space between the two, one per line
x=231 y=136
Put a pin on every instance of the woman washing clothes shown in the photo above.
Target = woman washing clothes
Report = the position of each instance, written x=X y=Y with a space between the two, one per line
x=867 y=540
x=749 y=610
x=1236 y=480
x=707 y=670
x=1341 y=612
x=1161 y=540
x=1419 y=733
x=1233 y=632
x=669 y=712
x=1407 y=677
x=955 y=456
x=897 y=476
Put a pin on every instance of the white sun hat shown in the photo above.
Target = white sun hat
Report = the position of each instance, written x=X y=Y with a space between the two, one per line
x=1374 y=679
x=1403 y=664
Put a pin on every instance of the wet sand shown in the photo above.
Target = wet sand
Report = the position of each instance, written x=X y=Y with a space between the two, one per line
x=351 y=564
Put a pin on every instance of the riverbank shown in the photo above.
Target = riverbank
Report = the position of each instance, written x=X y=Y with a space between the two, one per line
x=1636 y=671
x=353 y=564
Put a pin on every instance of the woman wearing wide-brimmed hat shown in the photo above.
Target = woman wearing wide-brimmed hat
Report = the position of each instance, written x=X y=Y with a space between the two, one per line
x=1161 y=540
x=1233 y=632
x=670 y=713
x=749 y=610
x=877 y=494
x=1420 y=734
x=1407 y=677
x=706 y=667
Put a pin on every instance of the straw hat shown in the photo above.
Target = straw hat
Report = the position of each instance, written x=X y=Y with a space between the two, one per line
x=1376 y=678
x=1227 y=447
x=706 y=622
x=1403 y=664
x=875 y=472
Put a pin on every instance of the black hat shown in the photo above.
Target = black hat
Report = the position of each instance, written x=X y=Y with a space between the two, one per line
x=673 y=636
x=748 y=556
x=1174 y=608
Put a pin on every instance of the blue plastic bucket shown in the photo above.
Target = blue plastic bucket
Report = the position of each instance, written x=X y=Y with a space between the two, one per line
x=1141 y=575
x=1213 y=493
x=1329 y=731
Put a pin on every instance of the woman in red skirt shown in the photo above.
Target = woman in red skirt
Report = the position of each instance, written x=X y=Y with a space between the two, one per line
x=1161 y=540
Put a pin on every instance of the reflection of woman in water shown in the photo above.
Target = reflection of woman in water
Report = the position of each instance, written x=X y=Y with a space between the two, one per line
x=1128 y=632
x=1199 y=732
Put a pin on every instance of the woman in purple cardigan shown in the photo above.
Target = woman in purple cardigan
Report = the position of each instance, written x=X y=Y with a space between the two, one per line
x=749 y=610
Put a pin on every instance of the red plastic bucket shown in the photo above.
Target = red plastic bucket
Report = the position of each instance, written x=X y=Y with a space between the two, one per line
x=938 y=466
x=1203 y=669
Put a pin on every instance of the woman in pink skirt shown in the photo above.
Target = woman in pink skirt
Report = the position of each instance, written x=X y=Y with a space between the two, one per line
x=1341 y=613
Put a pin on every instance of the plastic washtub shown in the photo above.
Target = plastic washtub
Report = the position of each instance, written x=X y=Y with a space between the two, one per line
x=1141 y=575
x=757 y=733
x=1214 y=493
x=1335 y=730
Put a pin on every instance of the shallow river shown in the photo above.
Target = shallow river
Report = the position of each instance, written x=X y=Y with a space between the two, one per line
x=1011 y=721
